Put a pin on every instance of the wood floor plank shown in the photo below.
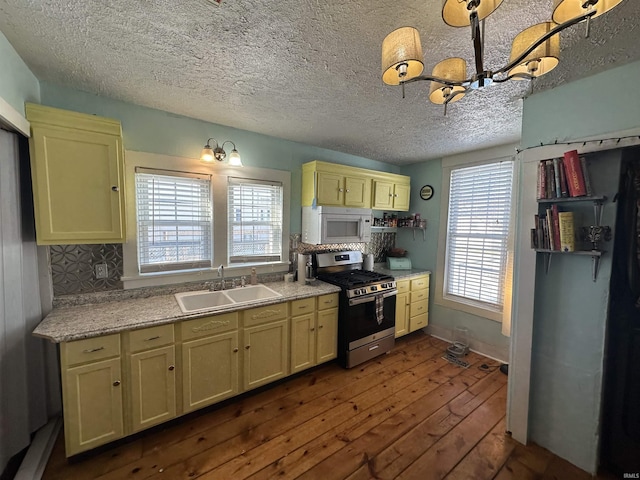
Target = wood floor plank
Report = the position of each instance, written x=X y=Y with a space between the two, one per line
x=400 y=412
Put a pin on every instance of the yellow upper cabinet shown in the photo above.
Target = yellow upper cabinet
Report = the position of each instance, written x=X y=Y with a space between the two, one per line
x=77 y=169
x=388 y=195
x=343 y=186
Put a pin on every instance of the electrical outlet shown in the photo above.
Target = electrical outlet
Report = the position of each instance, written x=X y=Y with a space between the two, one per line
x=101 y=270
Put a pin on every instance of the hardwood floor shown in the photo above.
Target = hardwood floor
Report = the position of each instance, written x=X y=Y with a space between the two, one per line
x=406 y=415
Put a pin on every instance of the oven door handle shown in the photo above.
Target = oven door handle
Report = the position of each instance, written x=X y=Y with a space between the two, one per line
x=371 y=298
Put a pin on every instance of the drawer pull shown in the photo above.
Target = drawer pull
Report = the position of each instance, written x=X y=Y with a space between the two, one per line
x=374 y=347
x=172 y=368
x=320 y=326
x=116 y=383
x=92 y=350
x=152 y=338
x=303 y=306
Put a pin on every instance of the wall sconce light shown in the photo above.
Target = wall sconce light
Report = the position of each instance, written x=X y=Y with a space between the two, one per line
x=209 y=154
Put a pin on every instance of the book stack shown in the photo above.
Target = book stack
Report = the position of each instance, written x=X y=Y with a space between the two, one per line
x=563 y=177
x=554 y=230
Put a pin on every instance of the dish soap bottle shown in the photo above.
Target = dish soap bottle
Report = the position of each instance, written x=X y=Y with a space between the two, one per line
x=254 y=277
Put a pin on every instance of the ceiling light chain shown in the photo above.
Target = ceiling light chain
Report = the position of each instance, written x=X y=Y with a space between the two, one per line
x=534 y=52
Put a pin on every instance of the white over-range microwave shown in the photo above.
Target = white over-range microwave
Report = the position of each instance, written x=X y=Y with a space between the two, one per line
x=325 y=225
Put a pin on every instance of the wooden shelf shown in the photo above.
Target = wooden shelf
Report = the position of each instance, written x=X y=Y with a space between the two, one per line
x=600 y=198
x=424 y=231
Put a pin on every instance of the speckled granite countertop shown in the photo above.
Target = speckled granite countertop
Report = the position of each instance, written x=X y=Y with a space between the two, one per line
x=398 y=274
x=92 y=315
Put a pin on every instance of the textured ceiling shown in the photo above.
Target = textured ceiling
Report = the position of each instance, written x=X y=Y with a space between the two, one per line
x=301 y=70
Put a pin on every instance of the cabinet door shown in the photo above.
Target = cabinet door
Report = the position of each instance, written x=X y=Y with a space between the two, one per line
x=303 y=342
x=401 y=197
x=356 y=192
x=266 y=350
x=330 y=189
x=402 y=314
x=78 y=186
x=92 y=396
x=209 y=370
x=382 y=195
x=153 y=387
x=327 y=335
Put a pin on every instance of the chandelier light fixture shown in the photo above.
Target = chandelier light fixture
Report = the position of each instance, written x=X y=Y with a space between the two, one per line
x=534 y=51
x=209 y=154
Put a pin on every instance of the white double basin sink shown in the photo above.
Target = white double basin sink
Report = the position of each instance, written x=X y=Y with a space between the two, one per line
x=202 y=300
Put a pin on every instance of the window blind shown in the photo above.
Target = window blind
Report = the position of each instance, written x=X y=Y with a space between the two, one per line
x=174 y=220
x=254 y=221
x=477 y=232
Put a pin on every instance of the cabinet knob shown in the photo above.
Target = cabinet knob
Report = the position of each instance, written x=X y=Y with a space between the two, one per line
x=320 y=326
x=235 y=350
x=340 y=190
x=391 y=194
x=115 y=188
x=247 y=347
x=348 y=190
x=116 y=383
x=395 y=194
x=312 y=329
x=172 y=367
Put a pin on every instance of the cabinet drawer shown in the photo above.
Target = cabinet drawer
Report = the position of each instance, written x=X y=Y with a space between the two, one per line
x=420 y=282
x=327 y=301
x=256 y=316
x=91 y=349
x=419 y=321
x=419 y=295
x=150 y=337
x=203 y=327
x=403 y=286
x=419 y=308
x=300 y=307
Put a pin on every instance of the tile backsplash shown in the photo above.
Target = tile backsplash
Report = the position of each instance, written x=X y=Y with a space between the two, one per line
x=72 y=266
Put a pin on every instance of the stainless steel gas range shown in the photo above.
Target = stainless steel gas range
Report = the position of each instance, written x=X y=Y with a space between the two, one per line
x=367 y=309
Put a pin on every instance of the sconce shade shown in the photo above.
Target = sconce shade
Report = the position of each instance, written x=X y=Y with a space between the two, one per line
x=456 y=14
x=234 y=158
x=401 y=49
x=564 y=10
x=544 y=57
x=454 y=69
x=207 y=154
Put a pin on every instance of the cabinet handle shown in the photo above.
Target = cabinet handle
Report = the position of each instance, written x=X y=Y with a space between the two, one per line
x=152 y=338
x=115 y=188
x=116 y=383
x=91 y=350
x=172 y=368
x=247 y=347
x=303 y=306
x=235 y=350
x=312 y=329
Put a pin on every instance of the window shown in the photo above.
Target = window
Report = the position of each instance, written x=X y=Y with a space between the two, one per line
x=174 y=220
x=254 y=221
x=478 y=234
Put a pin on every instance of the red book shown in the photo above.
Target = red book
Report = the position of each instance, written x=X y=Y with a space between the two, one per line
x=542 y=180
x=556 y=227
x=573 y=171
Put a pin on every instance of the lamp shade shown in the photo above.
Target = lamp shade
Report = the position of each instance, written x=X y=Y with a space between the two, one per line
x=456 y=14
x=207 y=154
x=401 y=56
x=454 y=69
x=543 y=58
x=234 y=158
x=564 y=10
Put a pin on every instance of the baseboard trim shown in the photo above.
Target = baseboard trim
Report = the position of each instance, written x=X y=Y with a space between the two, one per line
x=486 y=349
x=35 y=461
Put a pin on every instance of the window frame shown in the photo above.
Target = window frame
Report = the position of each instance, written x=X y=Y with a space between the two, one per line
x=479 y=309
x=132 y=278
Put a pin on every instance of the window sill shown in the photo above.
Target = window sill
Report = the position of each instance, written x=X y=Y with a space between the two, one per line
x=474 y=308
x=200 y=275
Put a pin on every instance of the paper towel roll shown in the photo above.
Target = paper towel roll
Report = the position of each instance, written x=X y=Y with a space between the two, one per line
x=368 y=262
x=302 y=267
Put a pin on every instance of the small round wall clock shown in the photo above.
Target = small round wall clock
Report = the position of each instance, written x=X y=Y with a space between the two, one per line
x=426 y=192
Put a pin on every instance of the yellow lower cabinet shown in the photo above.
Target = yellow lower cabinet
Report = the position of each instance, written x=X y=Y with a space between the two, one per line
x=92 y=397
x=266 y=348
x=402 y=314
x=153 y=387
x=327 y=335
x=303 y=342
x=419 y=303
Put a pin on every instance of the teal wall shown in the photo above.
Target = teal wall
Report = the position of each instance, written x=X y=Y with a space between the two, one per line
x=570 y=310
x=423 y=254
x=17 y=83
x=149 y=130
x=603 y=103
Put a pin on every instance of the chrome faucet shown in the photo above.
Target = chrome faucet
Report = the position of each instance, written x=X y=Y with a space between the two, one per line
x=221 y=274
